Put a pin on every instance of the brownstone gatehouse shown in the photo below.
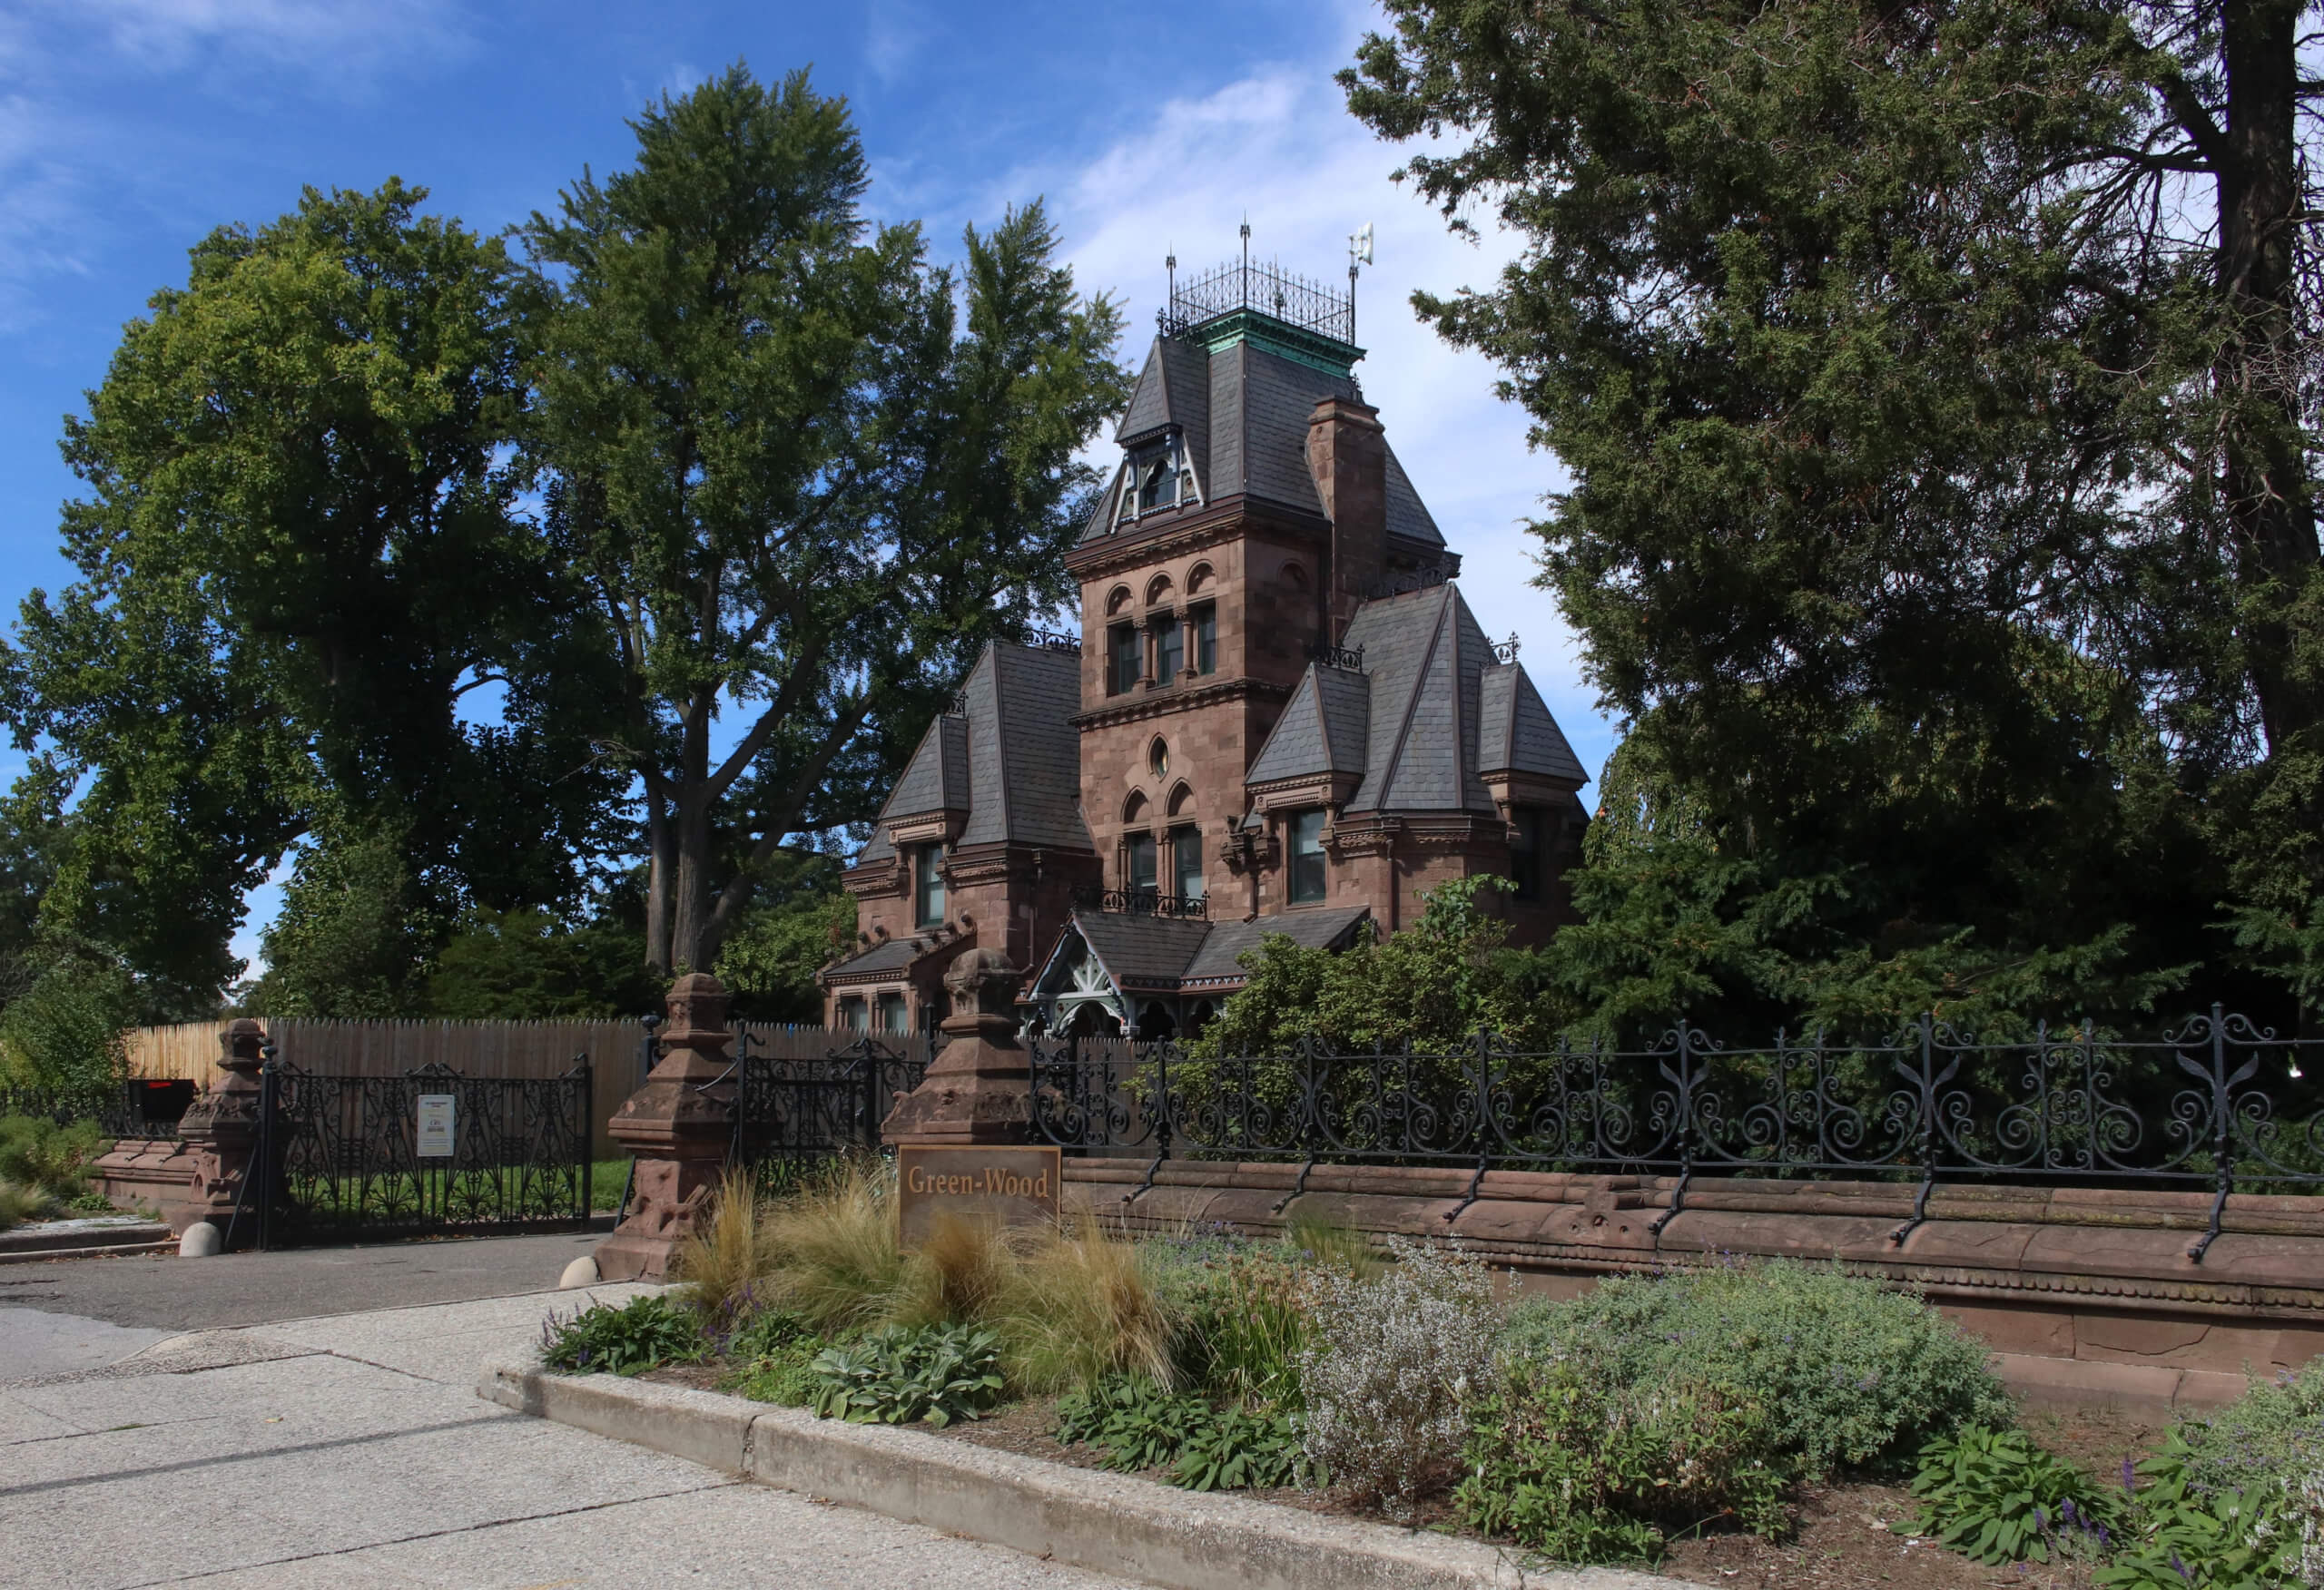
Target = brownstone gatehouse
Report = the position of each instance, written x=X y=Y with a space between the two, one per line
x=1280 y=716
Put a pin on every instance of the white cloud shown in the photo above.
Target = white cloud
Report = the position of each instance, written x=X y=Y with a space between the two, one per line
x=334 y=39
x=895 y=32
x=1280 y=145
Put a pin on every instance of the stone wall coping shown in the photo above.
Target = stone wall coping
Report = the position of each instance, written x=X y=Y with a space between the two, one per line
x=1109 y=1523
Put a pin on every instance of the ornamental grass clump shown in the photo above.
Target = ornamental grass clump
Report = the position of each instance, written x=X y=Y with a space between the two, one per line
x=837 y=1264
x=729 y=1258
x=1078 y=1305
x=1388 y=1370
x=1850 y=1375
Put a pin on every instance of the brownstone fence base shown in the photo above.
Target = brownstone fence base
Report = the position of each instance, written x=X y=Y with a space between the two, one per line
x=2085 y=1295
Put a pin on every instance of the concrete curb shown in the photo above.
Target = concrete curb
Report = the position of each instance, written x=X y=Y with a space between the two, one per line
x=1109 y=1523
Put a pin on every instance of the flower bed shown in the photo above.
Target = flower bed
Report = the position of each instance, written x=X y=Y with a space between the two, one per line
x=1655 y=1416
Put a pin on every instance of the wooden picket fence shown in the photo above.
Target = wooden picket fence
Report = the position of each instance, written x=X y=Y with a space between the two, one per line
x=474 y=1049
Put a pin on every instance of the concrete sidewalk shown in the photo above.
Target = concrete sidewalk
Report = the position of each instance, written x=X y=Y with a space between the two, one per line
x=352 y=1451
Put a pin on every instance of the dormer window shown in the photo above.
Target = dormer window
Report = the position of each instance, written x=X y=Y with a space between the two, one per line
x=1158 y=478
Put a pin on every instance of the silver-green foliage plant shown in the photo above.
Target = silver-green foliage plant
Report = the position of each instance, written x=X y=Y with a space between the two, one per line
x=1388 y=1371
x=1850 y=1373
x=934 y=1374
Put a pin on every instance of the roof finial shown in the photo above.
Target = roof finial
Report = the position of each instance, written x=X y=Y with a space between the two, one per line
x=1359 y=253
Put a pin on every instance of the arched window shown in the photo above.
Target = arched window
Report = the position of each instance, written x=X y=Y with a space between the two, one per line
x=1134 y=809
x=1157 y=590
x=1198 y=579
x=1295 y=576
x=1118 y=601
x=1158 y=759
x=1182 y=799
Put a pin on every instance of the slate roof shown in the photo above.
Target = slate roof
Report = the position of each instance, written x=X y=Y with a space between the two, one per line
x=937 y=777
x=1323 y=729
x=1244 y=414
x=1163 y=954
x=1141 y=952
x=1517 y=733
x=888 y=956
x=1216 y=960
x=1424 y=654
x=1011 y=761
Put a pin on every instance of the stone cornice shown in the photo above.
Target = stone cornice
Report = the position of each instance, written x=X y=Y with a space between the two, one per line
x=1219 y=521
x=1162 y=704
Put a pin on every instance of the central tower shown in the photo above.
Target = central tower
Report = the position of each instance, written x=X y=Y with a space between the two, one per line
x=1256 y=504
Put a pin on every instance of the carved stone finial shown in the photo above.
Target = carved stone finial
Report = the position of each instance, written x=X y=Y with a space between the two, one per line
x=983 y=983
x=978 y=1089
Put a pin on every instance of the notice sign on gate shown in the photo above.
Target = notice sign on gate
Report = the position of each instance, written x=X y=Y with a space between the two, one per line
x=435 y=1123
x=1001 y=1187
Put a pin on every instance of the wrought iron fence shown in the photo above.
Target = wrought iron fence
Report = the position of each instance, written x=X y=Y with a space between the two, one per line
x=792 y=1112
x=135 y=1106
x=2217 y=1104
x=429 y=1150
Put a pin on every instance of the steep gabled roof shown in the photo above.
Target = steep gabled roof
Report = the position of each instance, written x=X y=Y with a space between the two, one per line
x=1323 y=729
x=1024 y=777
x=1141 y=952
x=1424 y=654
x=1260 y=404
x=1517 y=734
x=937 y=777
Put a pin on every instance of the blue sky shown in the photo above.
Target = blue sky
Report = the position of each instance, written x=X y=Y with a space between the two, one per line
x=129 y=128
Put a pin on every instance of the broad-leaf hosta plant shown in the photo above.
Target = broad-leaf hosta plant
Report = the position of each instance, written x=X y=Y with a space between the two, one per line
x=934 y=1375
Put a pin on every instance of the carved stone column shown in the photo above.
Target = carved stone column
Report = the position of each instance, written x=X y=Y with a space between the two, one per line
x=221 y=1130
x=978 y=1089
x=679 y=1123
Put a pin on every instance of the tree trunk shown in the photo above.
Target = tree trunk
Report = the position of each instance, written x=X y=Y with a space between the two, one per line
x=2259 y=371
x=662 y=866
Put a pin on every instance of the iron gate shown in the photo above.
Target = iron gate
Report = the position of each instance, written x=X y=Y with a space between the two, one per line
x=343 y=1158
x=791 y=1113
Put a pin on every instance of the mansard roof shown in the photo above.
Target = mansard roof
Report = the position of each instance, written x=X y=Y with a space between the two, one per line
x=1242 y=412
x=1008 y=757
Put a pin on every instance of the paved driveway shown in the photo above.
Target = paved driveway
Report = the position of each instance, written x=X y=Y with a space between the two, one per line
x=351 y=1451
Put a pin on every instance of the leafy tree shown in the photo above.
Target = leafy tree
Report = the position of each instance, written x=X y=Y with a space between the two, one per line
x=803 y=472
x=1432 y=987
x=298 y=554
x=353 y=935
x=1936 y=381
x=800 y=920
x=530 y=965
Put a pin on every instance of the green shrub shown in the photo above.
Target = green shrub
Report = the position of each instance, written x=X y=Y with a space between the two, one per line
x=1590 y=1470
x=1243 y=1323
x=1997 y=1497
x=1237 y=1449
x=2193 y=1532
x=1138 y=1425
x=643 y=1334
x=933 y=1374
x=775 y=1353
x=39 y=1155
x=1849 y=1374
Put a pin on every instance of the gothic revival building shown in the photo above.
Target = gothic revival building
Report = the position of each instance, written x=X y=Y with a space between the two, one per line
x=1280 y=716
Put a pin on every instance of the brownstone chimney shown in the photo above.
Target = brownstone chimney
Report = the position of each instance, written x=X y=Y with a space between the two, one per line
x=1349 y=458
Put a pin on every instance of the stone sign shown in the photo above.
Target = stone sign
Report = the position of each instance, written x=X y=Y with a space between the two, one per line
x=1002 y=1185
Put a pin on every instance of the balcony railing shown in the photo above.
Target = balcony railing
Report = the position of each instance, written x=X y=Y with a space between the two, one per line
x=1143 y=902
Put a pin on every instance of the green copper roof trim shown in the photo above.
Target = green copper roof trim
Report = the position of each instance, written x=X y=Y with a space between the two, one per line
x=1279 y=338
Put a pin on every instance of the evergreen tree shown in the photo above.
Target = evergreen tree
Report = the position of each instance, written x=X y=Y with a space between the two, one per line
x=1938 y=386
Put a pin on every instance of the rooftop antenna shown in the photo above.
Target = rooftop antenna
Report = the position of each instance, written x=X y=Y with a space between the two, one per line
x=1170 y=264
x=1246 y=259
x=1359 y=253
